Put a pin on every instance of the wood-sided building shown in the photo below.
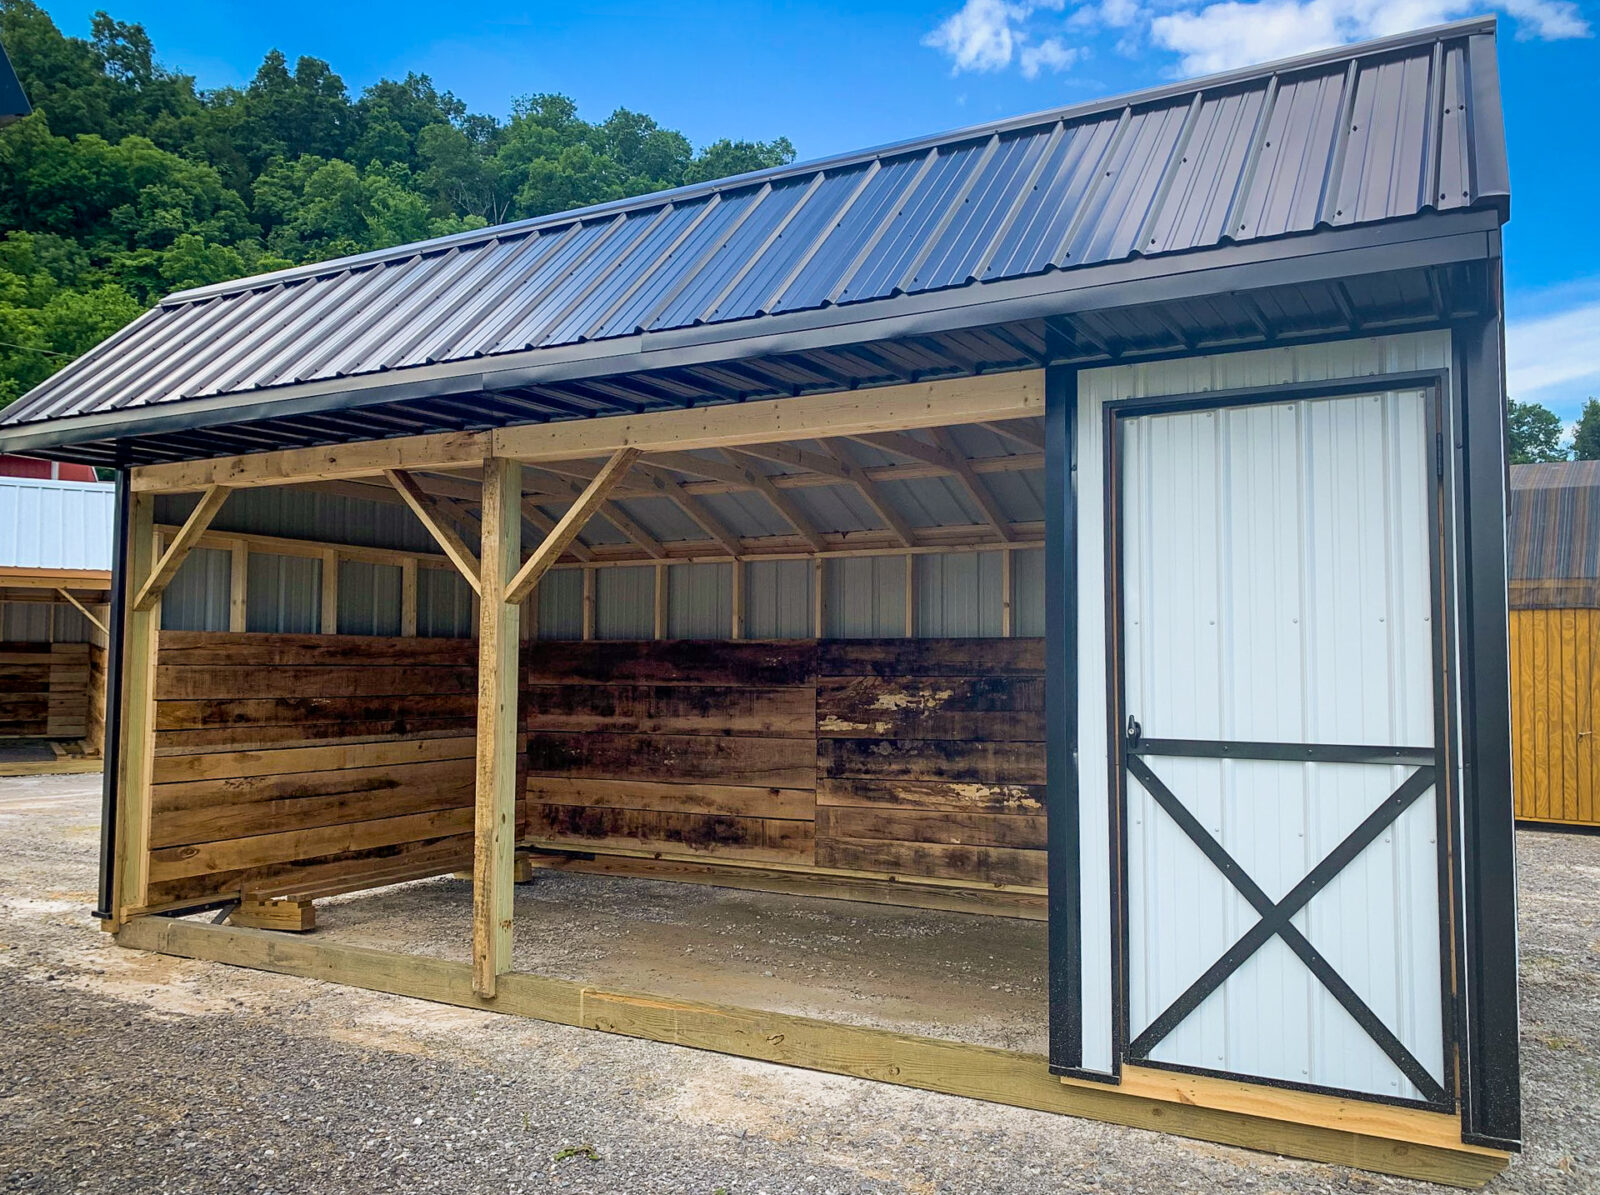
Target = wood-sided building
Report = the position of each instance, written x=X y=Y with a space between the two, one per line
x=1554 y=581
x=55 y=590
x=1096 y=516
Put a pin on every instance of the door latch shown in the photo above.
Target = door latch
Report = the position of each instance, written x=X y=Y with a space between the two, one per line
x=1134 y=731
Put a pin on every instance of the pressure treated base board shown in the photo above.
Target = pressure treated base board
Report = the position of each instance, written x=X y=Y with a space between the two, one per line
x=64 y=765
x=994 y=902
x=1399 y=1141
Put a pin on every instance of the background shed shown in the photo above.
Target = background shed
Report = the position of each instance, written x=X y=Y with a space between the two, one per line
x=1554 y=581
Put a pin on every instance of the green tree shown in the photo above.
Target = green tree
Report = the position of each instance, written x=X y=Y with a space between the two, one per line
x=1586 y=436
x=1534 y=433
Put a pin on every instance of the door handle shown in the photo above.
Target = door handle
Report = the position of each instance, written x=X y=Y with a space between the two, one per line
x=1134 y=731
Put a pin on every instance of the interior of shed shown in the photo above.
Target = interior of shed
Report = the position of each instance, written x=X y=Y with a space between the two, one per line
x=52 y=669
x=807 y=668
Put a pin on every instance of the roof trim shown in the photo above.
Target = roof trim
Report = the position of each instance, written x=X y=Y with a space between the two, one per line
x=1426 y=240
x=1488 y=132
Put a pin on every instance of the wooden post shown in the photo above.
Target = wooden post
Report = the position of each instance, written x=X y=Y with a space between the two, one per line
x=737 y=630
x=661 y=602
x=819 y=597
x=238 y=586
x=1006 y=563
x=588 y=603
x=330 y=592
x=137 y=762
x=911 y=596
x=495 y=823
x=408 y=597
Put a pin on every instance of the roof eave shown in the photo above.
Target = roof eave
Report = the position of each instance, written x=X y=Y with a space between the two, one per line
x=1428 y=240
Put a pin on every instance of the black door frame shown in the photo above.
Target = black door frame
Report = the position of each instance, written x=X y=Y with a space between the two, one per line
x=1435 y=387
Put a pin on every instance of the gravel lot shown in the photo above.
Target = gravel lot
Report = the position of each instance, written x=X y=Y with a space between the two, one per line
x=137 y=1073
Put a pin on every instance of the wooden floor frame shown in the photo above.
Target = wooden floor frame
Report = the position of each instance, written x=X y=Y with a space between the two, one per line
x=1406 y=1142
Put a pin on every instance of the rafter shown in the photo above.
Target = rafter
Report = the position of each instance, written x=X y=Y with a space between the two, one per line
x=1024 y=431
x=182 y=544
x=429 y=512
x=570 y=523
x=944 y=454
x=725 y=470
x=530 y=511
x=873 y=495
x=671 y=488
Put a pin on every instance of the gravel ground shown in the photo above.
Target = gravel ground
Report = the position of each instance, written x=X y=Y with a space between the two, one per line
x=139 y=1073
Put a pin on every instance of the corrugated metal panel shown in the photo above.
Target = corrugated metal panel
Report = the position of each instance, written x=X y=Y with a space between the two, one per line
x=55 y=524
x=369 y=598
x=197 y=598
x=699 y=601
x=625 y=603
x=283 y=594
x=44 y=622
x=1027 y=595
x=1277 y=589
x=444 y=604
x=560 y=598
x=865 y=597
x=959 y=594
x=1261 y=153
x=777 y=599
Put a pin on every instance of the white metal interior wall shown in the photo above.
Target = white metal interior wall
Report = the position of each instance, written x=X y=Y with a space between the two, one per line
x=1276 y=588
x=1266 y=367
x=44 y=622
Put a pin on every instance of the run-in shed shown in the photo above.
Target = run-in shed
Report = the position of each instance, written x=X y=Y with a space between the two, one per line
x=1096 y=516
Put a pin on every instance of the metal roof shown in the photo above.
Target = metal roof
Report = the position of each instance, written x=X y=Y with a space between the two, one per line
x=55 y=524
x=13 y=103
x=1365 y=135
x=1553 y=534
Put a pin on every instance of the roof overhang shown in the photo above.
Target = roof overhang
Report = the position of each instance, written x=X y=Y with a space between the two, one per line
x=1057 y=301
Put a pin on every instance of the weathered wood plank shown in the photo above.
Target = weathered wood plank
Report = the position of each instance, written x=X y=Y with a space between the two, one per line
x=1023 y=831
x=796 y=804
x=991 y=864
x=222 y=765
x=222 y=738
x=189 y=649
x=250 y=712
x=992 y=708
x=671 y=833
x=764 y=762
x=932 y=759
x=670 y=709
x=235 y=682
x=768 y=664
x=953 y=795
x=210 y=810
x=930 y=657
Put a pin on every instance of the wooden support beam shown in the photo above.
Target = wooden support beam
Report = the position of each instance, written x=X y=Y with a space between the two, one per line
x=408 y=597
x=1027 y=432
x=588 y=603
x=94 y=621
x=660 y=627
x=675 y=490
x=238 y=585
x=724 y=470
x=625 y=523
x=577 y=549
x=819 y=598
x=570 y=523
x=1410 y=1142
x=330 y=592
x=495 y=819
x=736 y=631
x=182 y=544
x=427 y=510
x=911 y=596
x=289 y=916
x=874 y=496
x=1007 y=581
x=945 y=455
x=136 y=764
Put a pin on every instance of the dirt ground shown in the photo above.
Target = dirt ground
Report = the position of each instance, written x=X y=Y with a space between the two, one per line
x=139 y=1073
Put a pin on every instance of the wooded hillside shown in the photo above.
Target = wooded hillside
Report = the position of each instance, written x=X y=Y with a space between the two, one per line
x=128 y=182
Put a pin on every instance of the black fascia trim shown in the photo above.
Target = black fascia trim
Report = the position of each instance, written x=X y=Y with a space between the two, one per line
x=1488 y=960
x=1421 y=241
x=1061 y=719
x=111 y=750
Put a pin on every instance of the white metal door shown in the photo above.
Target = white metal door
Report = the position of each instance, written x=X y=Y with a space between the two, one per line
x=1281 y=827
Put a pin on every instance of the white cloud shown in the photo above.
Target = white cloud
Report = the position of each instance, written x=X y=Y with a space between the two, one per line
x=1230 y=33
x=1049 y=54
x=991 y=35
x=1554 y=358
x=980 y=36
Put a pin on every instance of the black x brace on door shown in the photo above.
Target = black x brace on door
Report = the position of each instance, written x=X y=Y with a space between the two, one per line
x=1275 y=917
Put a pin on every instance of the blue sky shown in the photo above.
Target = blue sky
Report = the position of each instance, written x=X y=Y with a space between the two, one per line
x=840 y=76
